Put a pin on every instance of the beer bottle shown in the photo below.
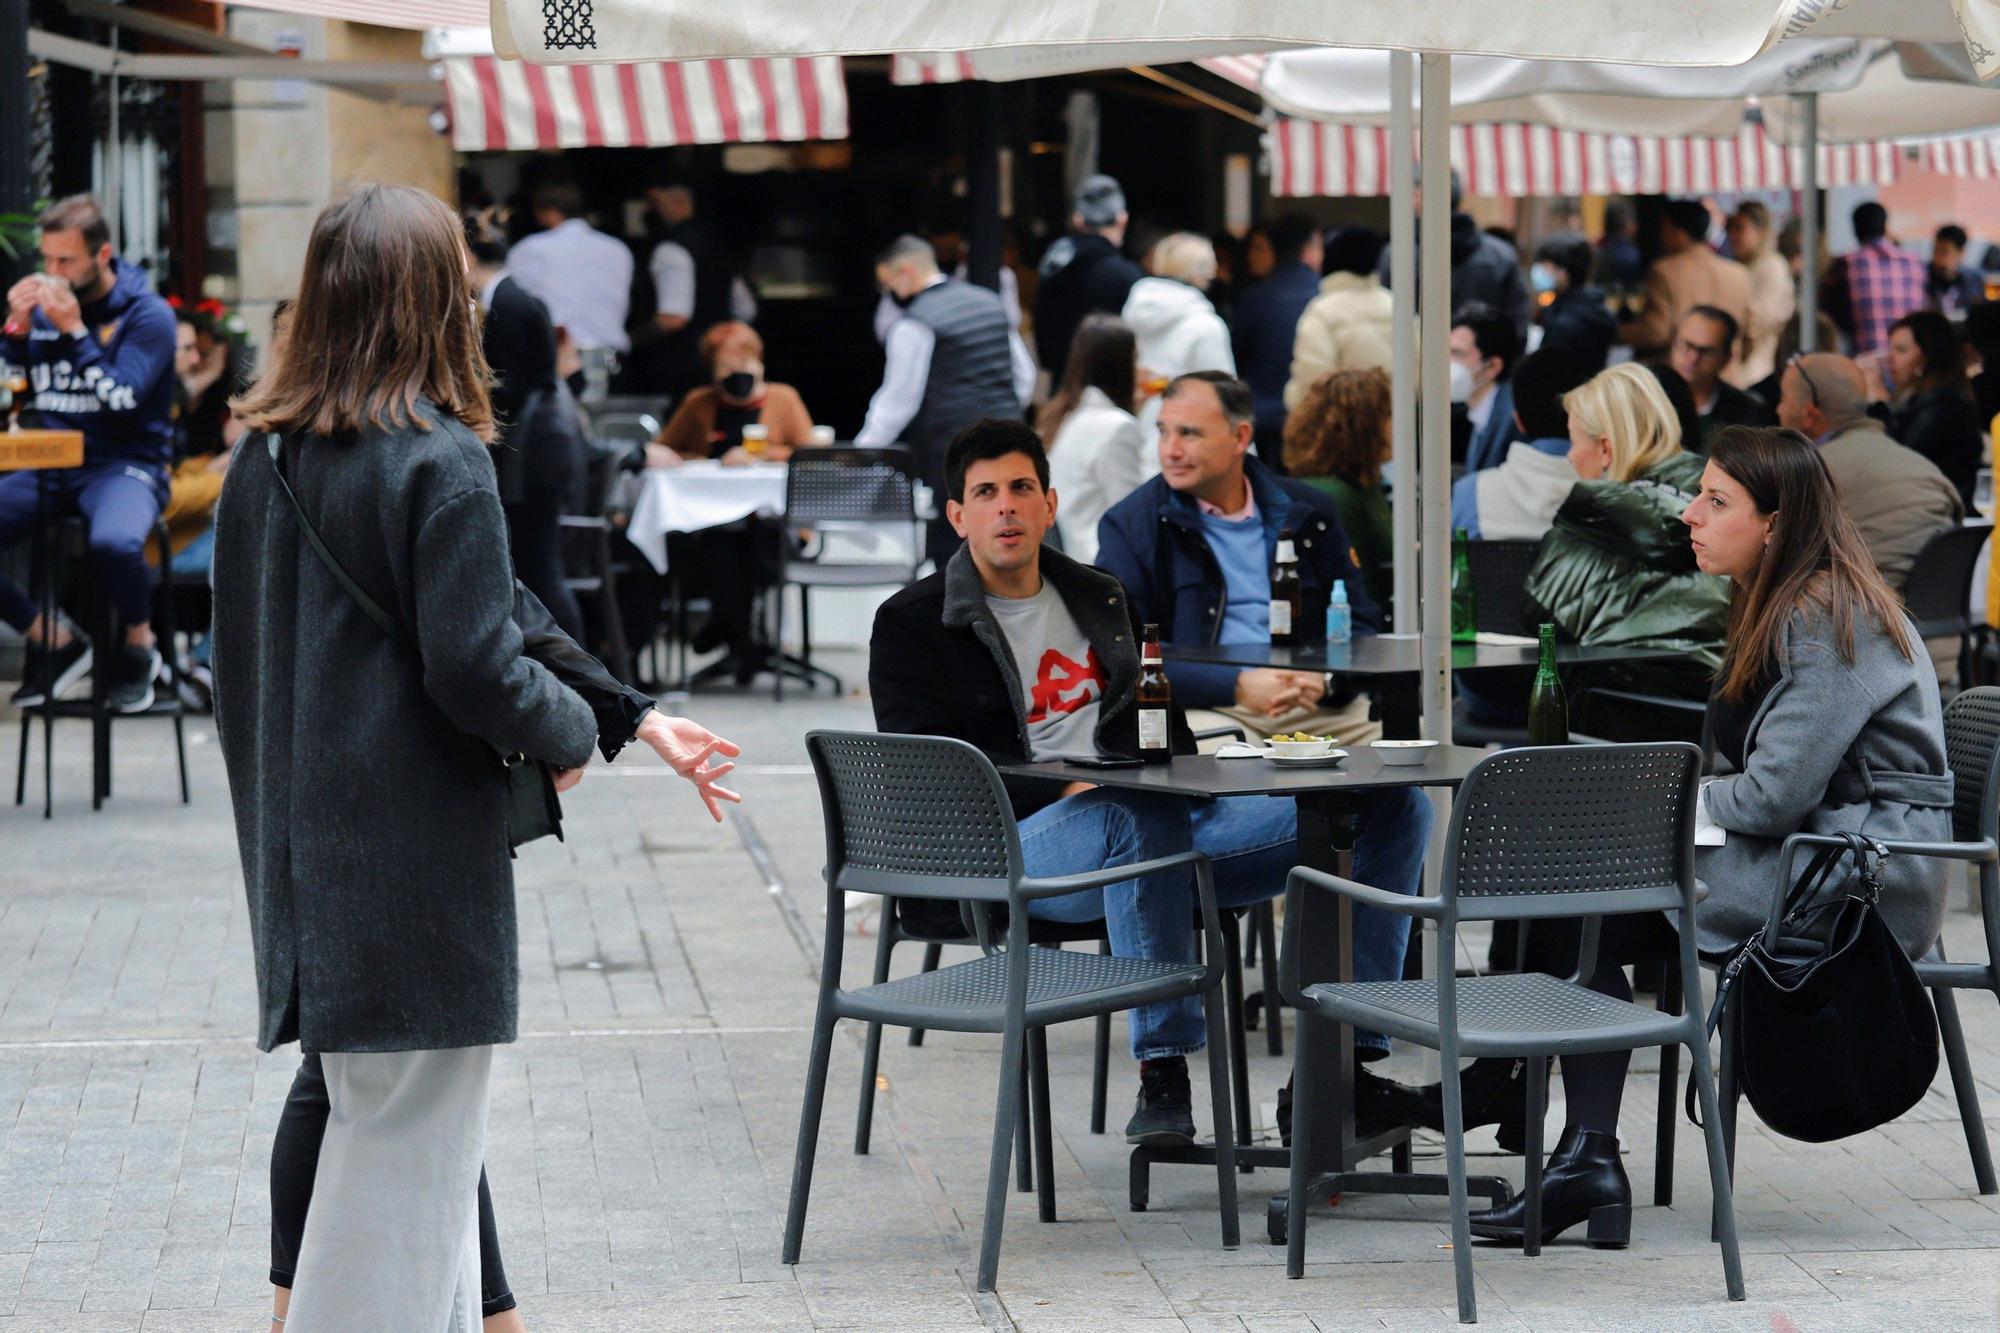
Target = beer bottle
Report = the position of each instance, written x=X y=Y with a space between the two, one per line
x=1286 y=603
x=1464 y=620
x=1156 y=697
x=1548 y=710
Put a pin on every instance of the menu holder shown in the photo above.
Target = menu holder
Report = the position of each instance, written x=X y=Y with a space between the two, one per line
x=34 y=450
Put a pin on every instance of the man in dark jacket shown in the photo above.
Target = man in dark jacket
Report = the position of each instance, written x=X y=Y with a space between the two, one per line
x=1576 y=317
x=1193 y=548
x=98 y=345
x=1264 y=322
x=540 y=452
x=1084 y=271
x=1483 y=268
x=1702 y=349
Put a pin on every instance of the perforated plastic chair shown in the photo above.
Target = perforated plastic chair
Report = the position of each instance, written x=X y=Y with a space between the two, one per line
x=1972 y=750
x=1559 y=831
x=1500 y=572
x=844 y=488
x=927 y=817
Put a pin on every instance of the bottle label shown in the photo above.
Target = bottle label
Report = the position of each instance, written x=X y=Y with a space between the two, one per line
x=1286 y=555
x=1281 y=617
x=1152 y=728
x=1151 y=658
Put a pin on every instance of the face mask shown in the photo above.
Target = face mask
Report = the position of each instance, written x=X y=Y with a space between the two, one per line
x=1389 y=475
x=1461 y=383
x=739 y=384
x=1542 y=278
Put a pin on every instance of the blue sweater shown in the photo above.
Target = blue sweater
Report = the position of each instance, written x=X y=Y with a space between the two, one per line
x=114 y=381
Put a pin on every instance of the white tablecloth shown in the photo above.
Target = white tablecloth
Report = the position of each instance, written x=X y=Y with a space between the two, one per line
x=697 y=495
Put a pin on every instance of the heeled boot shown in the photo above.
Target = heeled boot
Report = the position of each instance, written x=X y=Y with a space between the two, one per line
x=1582 y=1181
x=1493 y=1090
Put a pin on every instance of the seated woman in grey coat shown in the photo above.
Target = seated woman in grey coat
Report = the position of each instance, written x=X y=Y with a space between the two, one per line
x=1826 y=716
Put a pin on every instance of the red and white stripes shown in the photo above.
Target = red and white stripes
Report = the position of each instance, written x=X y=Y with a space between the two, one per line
x=941 y=67
x=1514 y=161
x=511 y=104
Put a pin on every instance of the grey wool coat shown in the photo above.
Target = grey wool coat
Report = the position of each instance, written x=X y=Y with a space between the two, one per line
x=368 y=794
x=1835 y=747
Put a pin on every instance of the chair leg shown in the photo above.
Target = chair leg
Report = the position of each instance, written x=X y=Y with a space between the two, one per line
x=21 y=763
x=1531 y=1168
x=1264 y=921
x=1726 y=1097
x=802 y=1158
x=1953 y=1034
x=1454 y=1170
x=1006 y=1110
x=933 y=953
x=1225 y=1142
x=1238 y=1052
x=1044 y=1135
x=181 y=756
x=778 y=642
x=614 y=621
x=1670 y=1096
x=1024 y=1148
x=1310 y=1037
x=1100 y=1072
x=1718 y=1168
x=871 y=1049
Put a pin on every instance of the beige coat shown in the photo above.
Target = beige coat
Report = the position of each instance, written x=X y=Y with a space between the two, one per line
x=1676 y=284
x=1896 y=497
x=1347 y=327
x=1772 y=300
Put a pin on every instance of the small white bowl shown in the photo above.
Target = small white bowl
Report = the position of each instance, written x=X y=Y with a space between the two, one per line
x=1403 y=752
x=1302 y=749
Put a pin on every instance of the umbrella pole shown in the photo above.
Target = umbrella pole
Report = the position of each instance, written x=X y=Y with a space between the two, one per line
x=1403 y=374
x=1434 y=319
x=1808 y=105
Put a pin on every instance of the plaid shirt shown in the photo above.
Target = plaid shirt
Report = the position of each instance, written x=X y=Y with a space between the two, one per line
x=1883 y=284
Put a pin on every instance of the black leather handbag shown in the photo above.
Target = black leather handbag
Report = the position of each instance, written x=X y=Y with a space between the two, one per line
x=1835 y=1032
x=533 y=808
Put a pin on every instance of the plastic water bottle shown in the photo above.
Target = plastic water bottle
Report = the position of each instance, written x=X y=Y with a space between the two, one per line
x=1339 y=616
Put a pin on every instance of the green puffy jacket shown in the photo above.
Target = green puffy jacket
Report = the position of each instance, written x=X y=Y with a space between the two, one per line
x=1617 y=569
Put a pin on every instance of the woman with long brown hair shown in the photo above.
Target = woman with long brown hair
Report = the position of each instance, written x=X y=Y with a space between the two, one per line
x=370 y=673
x=1826 y=720
x=1098 y=452
x=1336 y=440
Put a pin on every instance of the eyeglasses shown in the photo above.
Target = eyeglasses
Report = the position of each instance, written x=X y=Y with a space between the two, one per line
x=1798 y=363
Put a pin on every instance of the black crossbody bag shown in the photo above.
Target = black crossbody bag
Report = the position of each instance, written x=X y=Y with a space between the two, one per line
x=1835 y=1034
x=533 y=809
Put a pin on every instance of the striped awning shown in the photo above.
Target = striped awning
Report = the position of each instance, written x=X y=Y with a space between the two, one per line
x=1310 y=158
x=511 y=104
x=956 y=67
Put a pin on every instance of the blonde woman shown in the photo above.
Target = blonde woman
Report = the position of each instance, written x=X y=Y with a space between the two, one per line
x=1772 y=295
x=1616 y=567
x=1178 y=330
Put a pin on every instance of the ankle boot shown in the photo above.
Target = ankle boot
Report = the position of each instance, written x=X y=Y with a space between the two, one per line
x=1582 y=1181
x=1493 y=1090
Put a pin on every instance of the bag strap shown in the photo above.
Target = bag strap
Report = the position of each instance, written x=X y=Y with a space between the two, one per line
x=363 y=600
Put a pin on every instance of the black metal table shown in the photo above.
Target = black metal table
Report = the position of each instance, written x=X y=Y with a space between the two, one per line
x=1327 y=824
x=1391 y=665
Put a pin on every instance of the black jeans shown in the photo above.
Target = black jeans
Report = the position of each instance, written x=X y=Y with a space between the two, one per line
x=534 y=532
x=1594 y=1084
x=294 y=1163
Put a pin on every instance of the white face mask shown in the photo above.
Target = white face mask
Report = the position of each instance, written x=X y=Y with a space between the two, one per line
x=1461 y=383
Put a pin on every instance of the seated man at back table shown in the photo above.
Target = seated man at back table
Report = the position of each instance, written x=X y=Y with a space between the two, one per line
x=1194 y=546
x=1025 y=653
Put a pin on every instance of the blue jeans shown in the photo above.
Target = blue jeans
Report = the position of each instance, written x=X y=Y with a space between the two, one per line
x=1253 y=842
x=119 y=501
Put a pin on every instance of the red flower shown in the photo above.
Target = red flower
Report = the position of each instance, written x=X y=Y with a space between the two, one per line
x=174 y=301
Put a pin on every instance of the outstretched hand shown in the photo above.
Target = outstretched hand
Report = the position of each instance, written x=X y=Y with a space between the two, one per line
x=687 y=746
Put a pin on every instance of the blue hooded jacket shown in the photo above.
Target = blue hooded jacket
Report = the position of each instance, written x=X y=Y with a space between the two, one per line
x=114 y=381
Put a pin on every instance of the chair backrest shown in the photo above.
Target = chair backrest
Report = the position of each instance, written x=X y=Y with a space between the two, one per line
x=1536 y=831
x=1500 y=583
x=914 y=816
x=1972 y=749
x=653 y=405
x=850 y=484
x=1938 y=590
x=624 y=427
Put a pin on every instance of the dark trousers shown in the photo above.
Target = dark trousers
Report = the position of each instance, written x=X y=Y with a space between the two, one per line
x=1594 y=1084
x=120 y=503
x=534 y=533
x=295 y=1163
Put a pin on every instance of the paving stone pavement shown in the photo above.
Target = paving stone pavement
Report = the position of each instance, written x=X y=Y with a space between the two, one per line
x=642 y=1129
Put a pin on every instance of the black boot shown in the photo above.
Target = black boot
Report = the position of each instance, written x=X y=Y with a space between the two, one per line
x=1492 y=1090
x=1583 y=1181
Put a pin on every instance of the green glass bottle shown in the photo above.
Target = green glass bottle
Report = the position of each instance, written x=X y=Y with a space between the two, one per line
x=1464 y=621
x=1548 y=710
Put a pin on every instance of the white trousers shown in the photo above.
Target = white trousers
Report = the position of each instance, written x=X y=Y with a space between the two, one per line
x=392 y=1239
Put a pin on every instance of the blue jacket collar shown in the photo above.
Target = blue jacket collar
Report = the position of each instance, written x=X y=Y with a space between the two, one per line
x=1274 y=503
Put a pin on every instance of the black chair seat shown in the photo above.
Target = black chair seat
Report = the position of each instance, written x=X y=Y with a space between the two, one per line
x=1508 y=1014
x=1063 y=984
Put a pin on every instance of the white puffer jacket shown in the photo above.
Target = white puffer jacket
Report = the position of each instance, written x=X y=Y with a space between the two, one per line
x=1178 y=331
x=1347 y=327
